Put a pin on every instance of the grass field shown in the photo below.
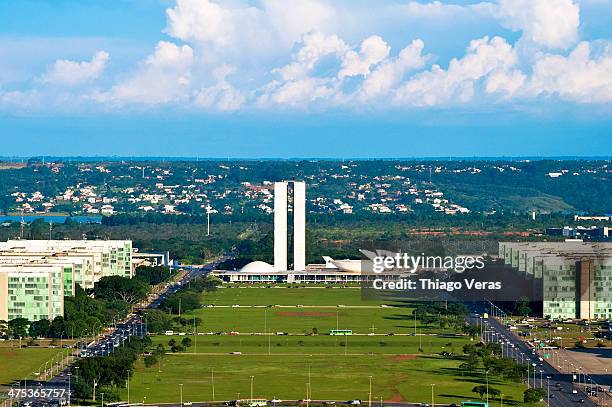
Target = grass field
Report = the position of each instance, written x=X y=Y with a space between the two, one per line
x=306 y=345
x=16 y=363
x=260 y=295
x=403 y=367
x=299 y=310
x=394 y=378
x=303 y=319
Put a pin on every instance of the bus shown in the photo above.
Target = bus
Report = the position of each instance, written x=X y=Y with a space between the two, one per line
x=250 y=402
x=339 y=332
x=474 y=404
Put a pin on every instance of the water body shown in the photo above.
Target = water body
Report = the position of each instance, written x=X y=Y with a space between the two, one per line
x=52 y=219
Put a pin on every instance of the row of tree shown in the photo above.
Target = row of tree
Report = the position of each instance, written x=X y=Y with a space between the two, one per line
x=108 y=374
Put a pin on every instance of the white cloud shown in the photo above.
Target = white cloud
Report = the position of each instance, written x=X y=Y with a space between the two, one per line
x=456 y=84
x=163 y=77
x=222 y=96
x=391 y=72
x=505 y=83
x=201 y=20
x=300 y=92
x=314 y=47
x=373 y=50
x=579 y=77
x=66 y=72
x=551 y=23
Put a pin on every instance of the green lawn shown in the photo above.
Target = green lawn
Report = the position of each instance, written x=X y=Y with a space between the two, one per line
x=302 y=320
x=16 y=363
x=281 y=295
x=322 y=344
x=394 y=378
x=340 y=366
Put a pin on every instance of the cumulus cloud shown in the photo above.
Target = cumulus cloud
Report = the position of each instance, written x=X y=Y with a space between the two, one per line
x=201 y=20
x=315 y=46
x=373 y=50
x=221 y=96
x=391 y=72
x=305 y=53
x=66 y=72
x=456 y=84
x=162 y=77
x=579 y=77
x=551 y=23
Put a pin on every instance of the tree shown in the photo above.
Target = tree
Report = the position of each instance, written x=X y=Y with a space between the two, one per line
x=150 y=360
x=471 y=330
x=533 y=395
x=4 y=328
x=18 y=327
x=470 y=364
x=39 y=329
x=153 y=275
x=157 y=320
x=493 y=392
x=130 y=290
x=522 y=307
x=186 y=342
x=58 y=328
x=481 y=390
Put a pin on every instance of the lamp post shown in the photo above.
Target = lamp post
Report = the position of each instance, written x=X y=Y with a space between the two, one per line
x=252 y=377
x=181 y=391
x=369 y=394
x=69 y=388
x=212 y=377
x=432 y=394
x=487 y=377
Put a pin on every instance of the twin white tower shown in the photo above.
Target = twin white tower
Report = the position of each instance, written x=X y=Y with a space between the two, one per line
x=281 y=205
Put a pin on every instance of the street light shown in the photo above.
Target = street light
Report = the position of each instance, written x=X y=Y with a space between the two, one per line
x=181 y=391
x=487 y=377
x=252 y=377
x=432 y=394
x=69 y=388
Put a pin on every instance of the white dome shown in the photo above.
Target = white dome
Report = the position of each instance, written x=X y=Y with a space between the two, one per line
x=259 y=267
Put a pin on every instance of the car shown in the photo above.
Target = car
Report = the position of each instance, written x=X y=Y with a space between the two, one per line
x=580 y=400
x=574 y=391
x=187 y=403
x=355 y=402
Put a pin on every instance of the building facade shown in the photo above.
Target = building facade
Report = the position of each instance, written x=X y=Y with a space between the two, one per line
x=576 y=276
x=35 y=275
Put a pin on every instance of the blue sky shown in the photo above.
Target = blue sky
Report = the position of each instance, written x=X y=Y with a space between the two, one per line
x=306 y=78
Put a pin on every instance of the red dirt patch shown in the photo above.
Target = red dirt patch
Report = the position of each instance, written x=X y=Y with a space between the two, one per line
x=305 y=314
x=399 y=358
x=396 y=398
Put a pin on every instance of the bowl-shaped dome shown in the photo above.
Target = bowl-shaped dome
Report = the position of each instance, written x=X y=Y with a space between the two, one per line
x=259 y=267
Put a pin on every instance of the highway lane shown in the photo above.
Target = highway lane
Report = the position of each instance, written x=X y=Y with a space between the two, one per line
x=560 y=388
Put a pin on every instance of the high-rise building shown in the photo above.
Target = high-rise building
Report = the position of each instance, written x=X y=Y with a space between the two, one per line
x=289 y=194
x=280 y=225
x=35 y=275
x=576 y=276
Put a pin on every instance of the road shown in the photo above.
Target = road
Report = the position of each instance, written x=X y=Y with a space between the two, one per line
x=560 y=388
x=104 y=345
